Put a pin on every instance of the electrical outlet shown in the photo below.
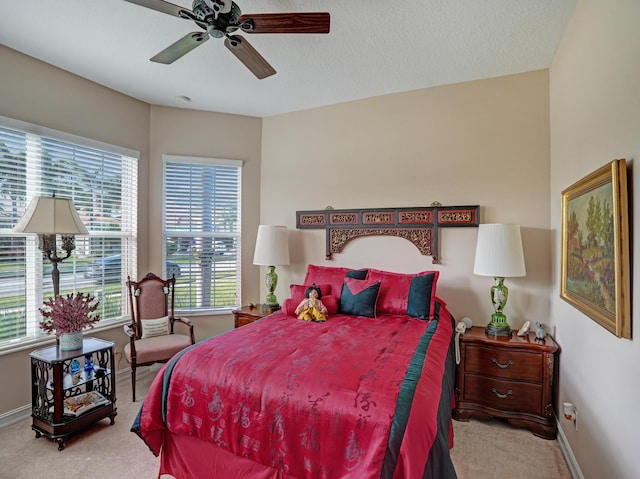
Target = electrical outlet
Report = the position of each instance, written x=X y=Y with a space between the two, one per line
x=571 y=413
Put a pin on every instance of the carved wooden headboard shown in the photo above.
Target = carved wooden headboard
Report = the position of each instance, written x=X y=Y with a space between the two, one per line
x=417 y=224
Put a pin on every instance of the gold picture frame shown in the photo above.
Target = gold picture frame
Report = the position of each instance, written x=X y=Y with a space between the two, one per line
x=595 y=261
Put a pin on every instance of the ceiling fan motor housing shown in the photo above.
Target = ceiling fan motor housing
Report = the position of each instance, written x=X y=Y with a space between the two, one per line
x=218 y=24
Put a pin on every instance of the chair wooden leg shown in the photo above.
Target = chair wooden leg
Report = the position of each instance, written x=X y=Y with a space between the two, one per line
x=133 y=382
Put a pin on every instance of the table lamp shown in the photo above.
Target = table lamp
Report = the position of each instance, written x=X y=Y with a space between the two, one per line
x=272 y=249
x=499 y=254
x=48 y=217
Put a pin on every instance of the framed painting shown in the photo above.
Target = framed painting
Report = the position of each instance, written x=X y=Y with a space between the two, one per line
x=595 y=263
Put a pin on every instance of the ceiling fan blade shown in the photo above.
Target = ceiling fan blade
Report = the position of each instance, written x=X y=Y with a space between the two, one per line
x=317 y=22
x=162 y=6
x=248 y=55
x=181 y=47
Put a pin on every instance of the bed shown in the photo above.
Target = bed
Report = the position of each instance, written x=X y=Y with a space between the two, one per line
x=366 y=394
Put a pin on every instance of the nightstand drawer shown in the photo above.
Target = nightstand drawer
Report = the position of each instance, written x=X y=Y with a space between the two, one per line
x=244 y=320
x=504 y=395
x=249 y=314
x=503 y=363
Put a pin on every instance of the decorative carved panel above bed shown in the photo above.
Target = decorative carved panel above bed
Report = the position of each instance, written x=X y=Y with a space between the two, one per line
x=416 y=224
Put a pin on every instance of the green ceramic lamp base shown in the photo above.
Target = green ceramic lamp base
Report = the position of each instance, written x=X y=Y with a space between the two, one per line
x=498 y=325
x=497 y=330
x=271 y=303
x=271 y=281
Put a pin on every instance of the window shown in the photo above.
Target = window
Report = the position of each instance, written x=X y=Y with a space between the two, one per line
x=202 y=231
x=102 y=182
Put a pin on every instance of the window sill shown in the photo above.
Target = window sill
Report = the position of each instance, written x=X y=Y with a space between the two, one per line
x=205 y=312
x=44 y=341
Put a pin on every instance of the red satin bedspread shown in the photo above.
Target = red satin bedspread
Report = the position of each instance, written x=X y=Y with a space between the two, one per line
x=310 y=400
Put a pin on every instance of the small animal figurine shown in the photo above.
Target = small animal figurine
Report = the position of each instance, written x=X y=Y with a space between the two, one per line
x=541 y=330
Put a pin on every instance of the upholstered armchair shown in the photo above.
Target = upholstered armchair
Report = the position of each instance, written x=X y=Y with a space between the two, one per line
x=152 y=338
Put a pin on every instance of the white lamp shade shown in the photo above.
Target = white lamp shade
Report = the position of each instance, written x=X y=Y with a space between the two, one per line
x=499 y=251
x=272 y=246
x=51 y=216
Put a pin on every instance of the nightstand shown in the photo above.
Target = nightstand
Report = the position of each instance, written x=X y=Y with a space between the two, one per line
x=510 y=378
x=247 y=315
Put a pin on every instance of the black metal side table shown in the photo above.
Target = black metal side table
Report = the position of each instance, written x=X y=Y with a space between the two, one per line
x=71 y=390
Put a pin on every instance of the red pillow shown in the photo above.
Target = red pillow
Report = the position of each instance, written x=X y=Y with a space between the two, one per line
x=289 y=306
x=298 y=290
x=393 y=297
x=326 y=275
x=330 y=302
x=394 y=291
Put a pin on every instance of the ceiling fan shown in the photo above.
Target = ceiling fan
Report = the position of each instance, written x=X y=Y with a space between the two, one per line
x=222 y=18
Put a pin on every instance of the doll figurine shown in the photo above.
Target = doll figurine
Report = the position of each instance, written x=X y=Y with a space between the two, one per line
x=311 y=308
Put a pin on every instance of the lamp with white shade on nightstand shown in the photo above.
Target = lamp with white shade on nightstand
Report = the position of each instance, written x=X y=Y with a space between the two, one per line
x=272 y=249
x=499 y=254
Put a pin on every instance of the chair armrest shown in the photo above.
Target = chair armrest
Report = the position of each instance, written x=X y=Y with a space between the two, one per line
x=130 y=330
x=183 y=320
x=187 y=322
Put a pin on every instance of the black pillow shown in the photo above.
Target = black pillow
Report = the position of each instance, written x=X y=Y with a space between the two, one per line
x=421 y=296
x=357 y=274
x=359 y=297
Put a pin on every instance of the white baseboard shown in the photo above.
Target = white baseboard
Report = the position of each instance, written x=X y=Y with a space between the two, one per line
x=567 y=452
x=21 y=413
x=10 y=418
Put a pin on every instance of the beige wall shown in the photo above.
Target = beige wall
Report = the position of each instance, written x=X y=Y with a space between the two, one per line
x=35 y=92
x=483 y=142
x=595 y=100
x=177 y=131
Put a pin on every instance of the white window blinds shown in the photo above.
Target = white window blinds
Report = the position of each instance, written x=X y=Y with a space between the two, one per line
x=102 y=182
x=202 y=231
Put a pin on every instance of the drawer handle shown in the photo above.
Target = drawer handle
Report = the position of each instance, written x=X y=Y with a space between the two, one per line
x=502 y=396
x=502 y=366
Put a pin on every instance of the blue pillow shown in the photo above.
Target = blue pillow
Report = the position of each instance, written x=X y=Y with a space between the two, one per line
x=421 y=301
x=359 y=297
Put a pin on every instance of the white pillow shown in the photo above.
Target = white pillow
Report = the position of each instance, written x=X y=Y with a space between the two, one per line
x=155 y=327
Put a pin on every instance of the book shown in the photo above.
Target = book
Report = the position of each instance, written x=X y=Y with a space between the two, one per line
x=77 y=405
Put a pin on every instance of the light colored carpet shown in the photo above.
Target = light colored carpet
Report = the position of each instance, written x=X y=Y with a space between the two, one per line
x=482 y=450
x=494 y=449
x=101 y=451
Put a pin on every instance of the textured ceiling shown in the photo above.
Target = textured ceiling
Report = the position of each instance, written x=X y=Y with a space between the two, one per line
x=375 y=47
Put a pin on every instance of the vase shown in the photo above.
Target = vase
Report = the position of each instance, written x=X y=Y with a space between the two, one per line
x=71 y=341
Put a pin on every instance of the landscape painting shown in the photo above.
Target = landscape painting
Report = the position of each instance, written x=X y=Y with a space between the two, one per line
x=595 y=248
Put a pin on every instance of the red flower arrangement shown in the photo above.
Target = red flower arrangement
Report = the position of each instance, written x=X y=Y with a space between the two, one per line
x=69 y=314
